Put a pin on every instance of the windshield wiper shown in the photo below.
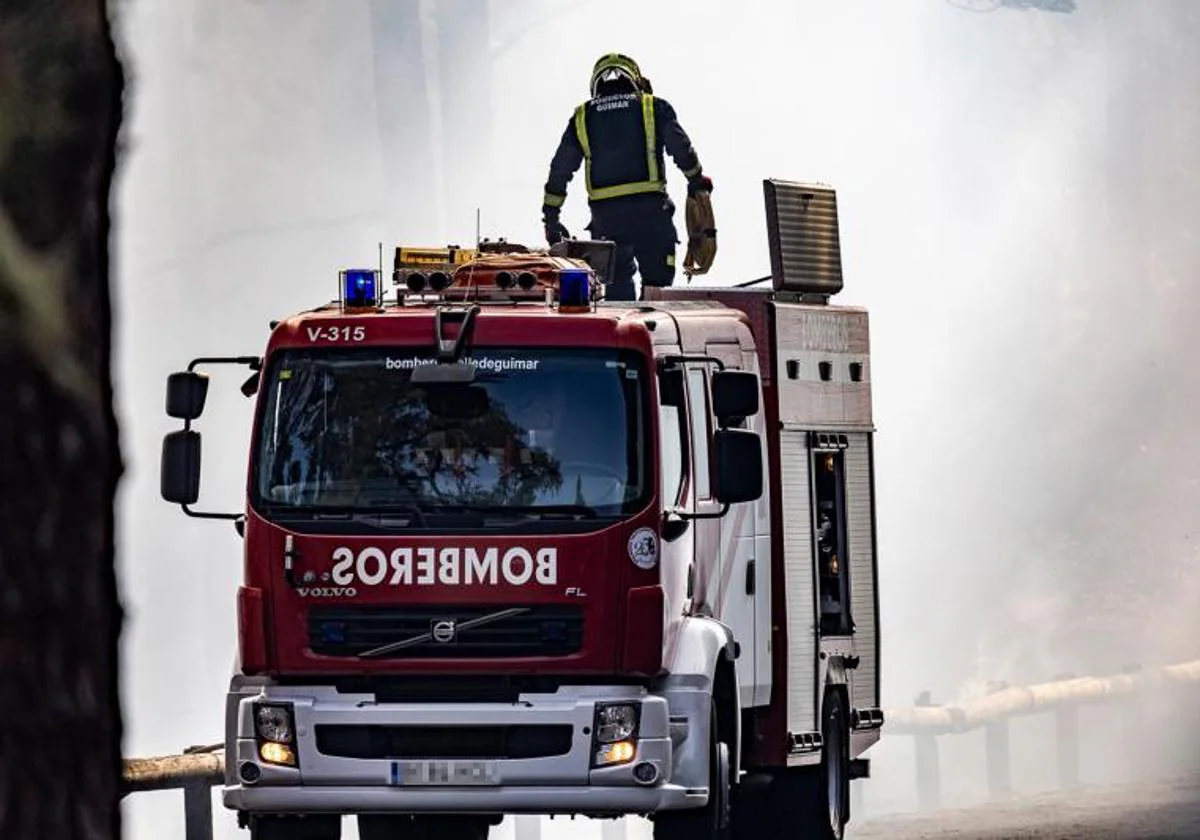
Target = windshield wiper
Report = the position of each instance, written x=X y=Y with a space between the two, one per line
x=530 y=511
x=370 y=514
x=391 y=510
x=556 y=511
x=386 y=521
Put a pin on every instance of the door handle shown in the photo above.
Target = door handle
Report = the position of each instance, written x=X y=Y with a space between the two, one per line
x=750 y=585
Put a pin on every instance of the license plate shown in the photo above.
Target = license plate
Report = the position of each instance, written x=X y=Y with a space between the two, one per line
x=445 y=773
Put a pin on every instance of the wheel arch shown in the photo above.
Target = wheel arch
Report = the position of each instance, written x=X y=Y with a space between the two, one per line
x=702 y=668
x=729 y=714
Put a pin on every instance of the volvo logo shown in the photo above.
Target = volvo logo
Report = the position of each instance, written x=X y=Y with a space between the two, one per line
x=443 y=631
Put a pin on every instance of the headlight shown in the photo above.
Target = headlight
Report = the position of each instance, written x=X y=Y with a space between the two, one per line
x=274 y=723
x=617 y=722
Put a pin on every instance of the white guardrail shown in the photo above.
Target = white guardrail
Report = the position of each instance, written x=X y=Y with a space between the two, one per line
x=198 y=769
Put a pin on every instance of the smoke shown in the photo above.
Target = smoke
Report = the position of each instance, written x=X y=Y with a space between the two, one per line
x=1050 y=527
x=1016 y=190
x=1069 y=450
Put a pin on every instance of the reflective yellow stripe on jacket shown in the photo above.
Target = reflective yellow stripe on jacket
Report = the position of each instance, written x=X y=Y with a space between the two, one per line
x=653 y=184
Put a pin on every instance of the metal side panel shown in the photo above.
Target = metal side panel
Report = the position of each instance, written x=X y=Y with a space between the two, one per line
x=861 y=538
x=824 y=371
x=798 y=581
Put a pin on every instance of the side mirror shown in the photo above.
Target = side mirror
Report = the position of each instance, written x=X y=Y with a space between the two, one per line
x=250 y=386
x=739 y=466
x=186 y=392
x=734 y=395
x=673 y=527
x=180 y=479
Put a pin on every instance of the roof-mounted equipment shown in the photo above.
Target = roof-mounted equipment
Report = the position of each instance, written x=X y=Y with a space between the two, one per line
x=570 y=284
x=425 y=269
x=600 y=254
x=805 y=246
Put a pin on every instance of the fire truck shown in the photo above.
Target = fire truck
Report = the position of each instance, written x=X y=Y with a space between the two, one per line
x=512 y=549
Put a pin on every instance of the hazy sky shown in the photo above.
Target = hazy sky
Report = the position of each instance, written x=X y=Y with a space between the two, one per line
x=1012 y=192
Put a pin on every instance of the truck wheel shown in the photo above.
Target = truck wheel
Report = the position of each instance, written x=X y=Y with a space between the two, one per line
x=835 y=765
x=298 y=827
x=712 y=822
x=825 y=801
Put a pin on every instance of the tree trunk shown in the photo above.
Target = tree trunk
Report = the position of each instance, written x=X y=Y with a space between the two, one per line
x=60 y=620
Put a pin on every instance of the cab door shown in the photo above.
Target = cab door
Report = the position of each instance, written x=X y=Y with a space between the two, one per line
x=725 y=546
x=706 y=532
x=745 y=558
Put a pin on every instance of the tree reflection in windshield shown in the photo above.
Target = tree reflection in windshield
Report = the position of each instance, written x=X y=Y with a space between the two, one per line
x=537 y=428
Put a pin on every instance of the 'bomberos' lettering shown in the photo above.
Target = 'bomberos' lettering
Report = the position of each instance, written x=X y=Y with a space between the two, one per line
x=451 y=566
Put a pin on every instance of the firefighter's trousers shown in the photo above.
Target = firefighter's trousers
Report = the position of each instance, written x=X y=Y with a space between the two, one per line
x=645 y=235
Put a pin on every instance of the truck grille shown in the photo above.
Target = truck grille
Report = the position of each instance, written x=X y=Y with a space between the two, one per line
x=538 y=631
x=375 y=742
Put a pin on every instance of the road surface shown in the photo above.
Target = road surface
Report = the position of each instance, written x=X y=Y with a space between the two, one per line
x=1132 y=812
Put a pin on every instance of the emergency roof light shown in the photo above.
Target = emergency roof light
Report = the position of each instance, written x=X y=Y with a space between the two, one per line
x=574 y=289
x=359 y=288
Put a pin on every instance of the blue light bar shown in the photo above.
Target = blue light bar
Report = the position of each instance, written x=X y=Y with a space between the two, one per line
x=574 y=287
x=360 y=287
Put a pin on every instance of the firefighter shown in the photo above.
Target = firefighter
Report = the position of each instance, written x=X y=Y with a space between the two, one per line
x=619 y=135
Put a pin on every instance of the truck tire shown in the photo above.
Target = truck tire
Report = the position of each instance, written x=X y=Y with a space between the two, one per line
x=823 y=802
x=305 y=827
x=713 y=821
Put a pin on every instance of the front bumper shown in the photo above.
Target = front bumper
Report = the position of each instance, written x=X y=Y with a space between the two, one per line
x=565 y=783
x=590 y=801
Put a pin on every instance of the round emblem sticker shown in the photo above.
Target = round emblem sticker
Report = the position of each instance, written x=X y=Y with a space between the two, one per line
x=643 y=548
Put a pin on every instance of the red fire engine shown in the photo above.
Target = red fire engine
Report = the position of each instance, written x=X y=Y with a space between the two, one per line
x=510 y=549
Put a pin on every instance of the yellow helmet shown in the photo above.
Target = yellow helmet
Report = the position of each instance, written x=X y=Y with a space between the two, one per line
x=615 y=64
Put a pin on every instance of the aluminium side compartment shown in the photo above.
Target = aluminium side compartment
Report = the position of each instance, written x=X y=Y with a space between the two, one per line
x=826 y=486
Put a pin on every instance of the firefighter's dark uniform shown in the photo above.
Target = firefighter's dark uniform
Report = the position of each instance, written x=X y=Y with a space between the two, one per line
x=620 y=139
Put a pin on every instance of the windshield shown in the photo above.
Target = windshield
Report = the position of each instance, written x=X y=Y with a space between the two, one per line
x=538 y=430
